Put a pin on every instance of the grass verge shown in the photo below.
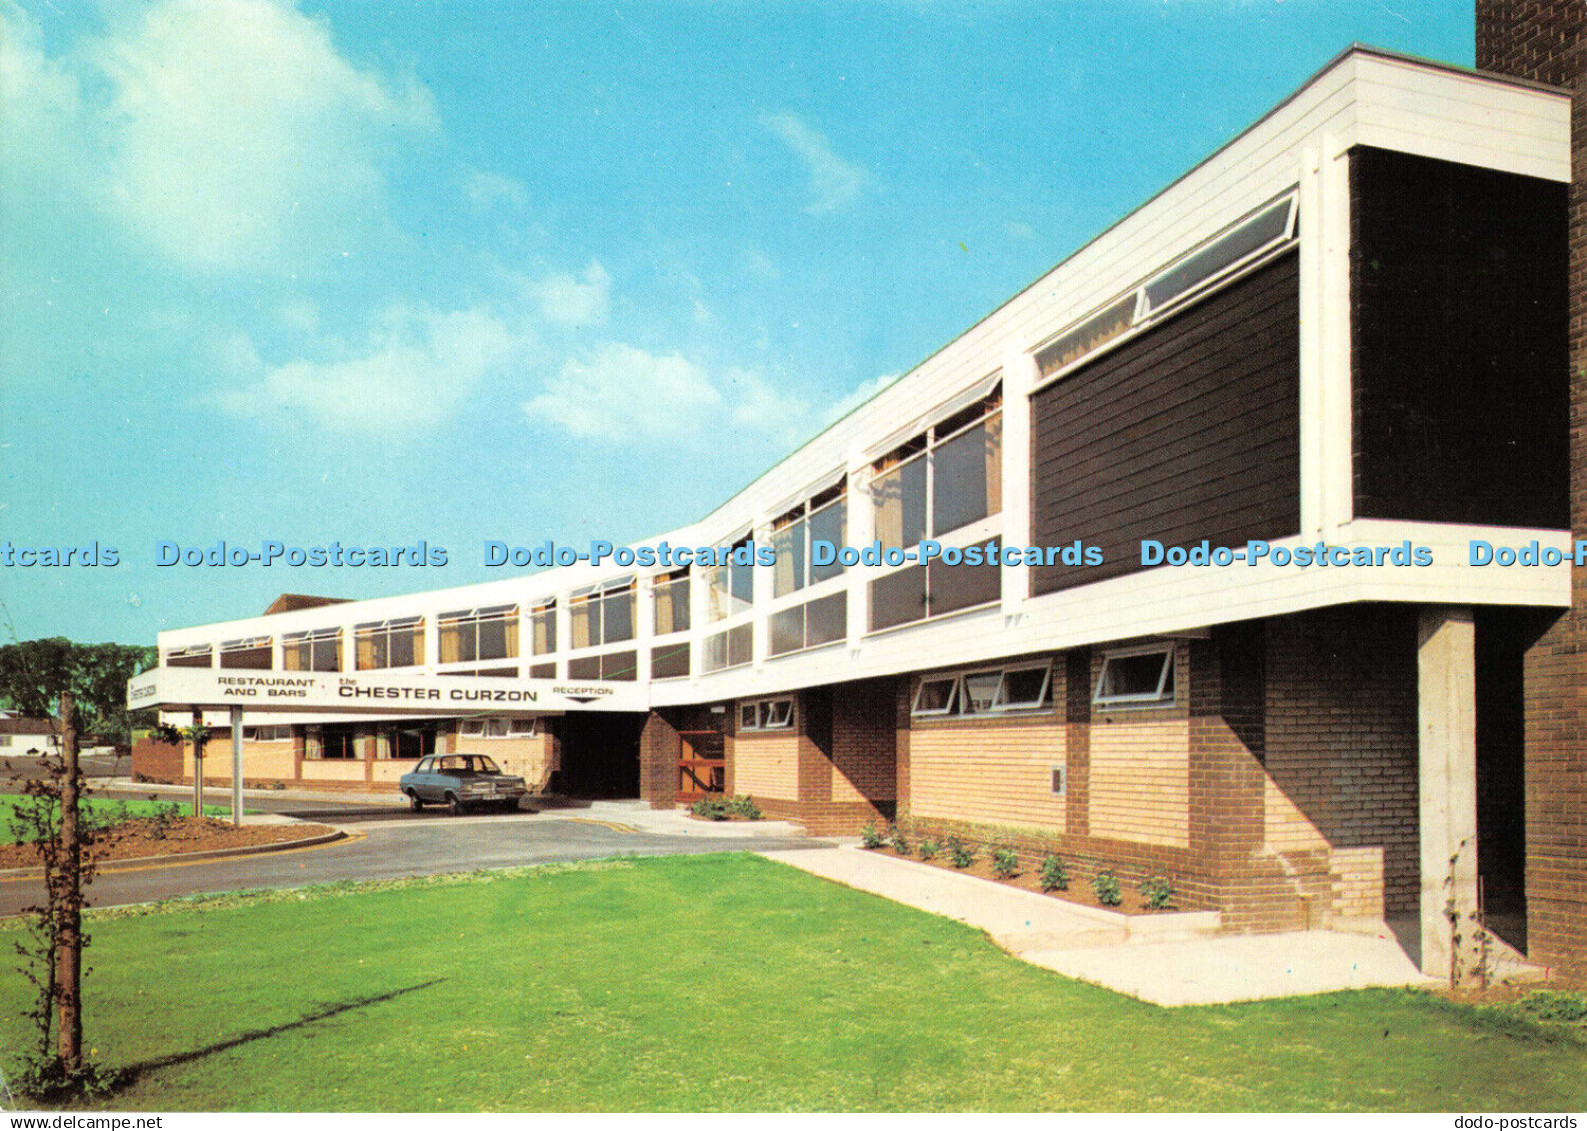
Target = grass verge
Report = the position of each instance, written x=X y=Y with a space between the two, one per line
x=718 y=982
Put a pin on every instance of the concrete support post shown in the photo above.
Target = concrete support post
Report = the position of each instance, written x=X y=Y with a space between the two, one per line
x=236 y=766
x=1447 y=722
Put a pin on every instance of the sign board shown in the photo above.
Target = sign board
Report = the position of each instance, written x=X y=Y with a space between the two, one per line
x=409 y=694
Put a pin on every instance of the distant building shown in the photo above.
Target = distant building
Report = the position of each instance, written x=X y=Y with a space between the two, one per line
x=19 y=736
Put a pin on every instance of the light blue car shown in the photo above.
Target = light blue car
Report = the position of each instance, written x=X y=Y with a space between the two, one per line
x=460 y=781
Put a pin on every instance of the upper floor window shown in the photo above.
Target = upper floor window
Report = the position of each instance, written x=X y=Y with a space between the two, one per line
x=602 y=614
x=252 y=653
x=731 y=648
x=395 y=643
x=317 y=651
x=479 y=634
x=543 y=627
x=821 y=518
x=672 y=601
x=731 y=586
x=947 y=477
x=189 y=656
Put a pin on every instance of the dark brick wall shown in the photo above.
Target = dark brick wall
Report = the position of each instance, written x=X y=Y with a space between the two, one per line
x=1546 y=41
x=156 y=761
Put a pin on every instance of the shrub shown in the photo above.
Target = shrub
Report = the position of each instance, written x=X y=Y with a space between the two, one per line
x=900 y=842
x=959 y=853
x=870 y=836
x=1107 y=889
x=1054 y=877
x=1157 y=892
x=929 y=848
x=1005 y=863
x=745 y=807
x=711 y=808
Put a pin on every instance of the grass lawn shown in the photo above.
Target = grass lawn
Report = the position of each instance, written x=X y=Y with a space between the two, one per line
x=712 y=982
x=110 y=810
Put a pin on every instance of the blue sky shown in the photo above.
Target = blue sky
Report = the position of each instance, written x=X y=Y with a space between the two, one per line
x=458 y=271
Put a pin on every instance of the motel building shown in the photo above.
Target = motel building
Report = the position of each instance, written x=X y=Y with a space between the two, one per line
x=1348 y=326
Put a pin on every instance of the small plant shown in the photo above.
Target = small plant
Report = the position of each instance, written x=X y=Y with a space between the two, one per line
x=745 y=807
x=1107 y=889
x=961 y=855
x=871 y=836
x=929 y=848
x=1053 y=875
x=711 y=808
x=901 y=842
x=1005 y=863
x=1157 y=892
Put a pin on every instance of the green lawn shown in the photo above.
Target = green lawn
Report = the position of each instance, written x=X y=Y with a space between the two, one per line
x=110 y=810
x=714 y=982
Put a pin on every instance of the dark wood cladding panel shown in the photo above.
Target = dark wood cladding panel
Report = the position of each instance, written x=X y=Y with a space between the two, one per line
x=1189 y=432
x=1460 y=364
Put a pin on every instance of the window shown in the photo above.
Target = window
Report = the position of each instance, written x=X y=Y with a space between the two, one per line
x=934 y=590
x=1226 y=254
x=1242 y=242
x=252 y=654
x=1139 y=677
x=669 y=661
x=496 y=728
x=1091 y=334
x=603 y=614
x=730 y=649
x=672 y=602
x=191 y=656
x=731 y=587
x=487 y=673
x=543 y=627
x=397 y=643
x=620 y=667
x=765 y=714
x=479 y=634
x=267 y=734
x=945 y=478
x=817 y=622
x=316 y=651
x=543 y=671
x=821 y=518
x=991 y=691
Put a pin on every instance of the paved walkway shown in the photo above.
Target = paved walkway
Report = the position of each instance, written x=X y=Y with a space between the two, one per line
x=1168 y=959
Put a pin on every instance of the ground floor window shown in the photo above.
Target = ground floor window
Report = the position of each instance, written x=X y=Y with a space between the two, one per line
x=1136 y=677
x=765 y=714
x=986 y=691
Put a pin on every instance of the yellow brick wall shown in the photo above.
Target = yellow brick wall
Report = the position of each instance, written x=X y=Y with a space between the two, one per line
x=259 y=759
x=995 y=772
x=767 y=765
x=1140 y=781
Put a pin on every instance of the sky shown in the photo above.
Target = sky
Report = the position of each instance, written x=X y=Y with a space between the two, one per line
x=458 y=271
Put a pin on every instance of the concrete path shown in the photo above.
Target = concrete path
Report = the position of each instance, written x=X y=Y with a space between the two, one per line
x=1167 y=959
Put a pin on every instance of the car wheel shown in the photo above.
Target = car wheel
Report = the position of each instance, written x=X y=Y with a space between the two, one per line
x=414 y=802
x=455 y=803
x=510 y=806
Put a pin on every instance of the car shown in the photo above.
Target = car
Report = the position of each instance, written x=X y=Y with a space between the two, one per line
x=460 y=781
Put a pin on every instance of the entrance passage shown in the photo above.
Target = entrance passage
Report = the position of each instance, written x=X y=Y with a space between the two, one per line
x=1503 y=637
x=600 y=754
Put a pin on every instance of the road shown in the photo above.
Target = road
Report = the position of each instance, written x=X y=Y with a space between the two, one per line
x=390 y=842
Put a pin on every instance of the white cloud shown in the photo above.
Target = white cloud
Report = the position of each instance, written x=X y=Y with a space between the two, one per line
x=762 y=406
x=573 y=301
x=834 y=182
x=417 y=369
x=621 y=392
x=858 y=397
x=40 y=97
x=239 y=138
x=484 y=190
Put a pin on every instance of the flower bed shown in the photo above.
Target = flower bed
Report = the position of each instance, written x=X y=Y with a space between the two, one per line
x=141 y=837
x=1027 y=873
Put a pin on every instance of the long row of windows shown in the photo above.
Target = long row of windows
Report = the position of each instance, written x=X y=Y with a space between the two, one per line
x=1130 y=677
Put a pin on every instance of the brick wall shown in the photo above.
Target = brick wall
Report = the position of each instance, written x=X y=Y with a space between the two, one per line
x=1546 y=41
x=156 y=761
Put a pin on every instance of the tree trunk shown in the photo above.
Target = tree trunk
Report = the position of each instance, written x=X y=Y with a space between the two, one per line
x=69 y=956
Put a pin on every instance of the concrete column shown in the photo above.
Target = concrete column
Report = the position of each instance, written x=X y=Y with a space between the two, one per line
x=1447 y=731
